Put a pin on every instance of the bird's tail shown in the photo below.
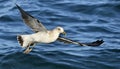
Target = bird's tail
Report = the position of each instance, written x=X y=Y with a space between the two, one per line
x=20 y=40
x=25 y=40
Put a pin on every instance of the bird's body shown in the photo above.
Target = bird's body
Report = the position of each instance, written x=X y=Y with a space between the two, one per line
x=42 y=35
x=49 y=36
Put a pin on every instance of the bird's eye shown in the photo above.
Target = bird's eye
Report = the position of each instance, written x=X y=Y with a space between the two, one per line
x=58 y=28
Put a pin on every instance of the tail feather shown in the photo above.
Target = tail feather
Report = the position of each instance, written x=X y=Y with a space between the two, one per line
x=25 y=41
x=20 y=40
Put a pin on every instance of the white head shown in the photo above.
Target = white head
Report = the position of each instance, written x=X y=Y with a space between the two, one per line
x=60 y=30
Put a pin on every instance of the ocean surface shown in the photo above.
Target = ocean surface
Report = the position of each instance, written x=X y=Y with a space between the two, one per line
x=83 y=20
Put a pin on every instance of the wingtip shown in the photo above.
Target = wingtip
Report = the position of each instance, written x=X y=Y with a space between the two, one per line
x=18 y=7
x=16 y=4
x=100 y=41
x=24 y=14
x=96 y=43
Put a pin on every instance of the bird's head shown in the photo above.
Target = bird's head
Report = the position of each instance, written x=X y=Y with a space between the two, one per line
x=60 y=30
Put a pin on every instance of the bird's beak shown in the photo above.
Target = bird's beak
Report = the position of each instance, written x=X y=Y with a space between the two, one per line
x=64 y=33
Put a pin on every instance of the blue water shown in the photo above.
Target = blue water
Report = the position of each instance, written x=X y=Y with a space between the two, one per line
x=83 y=20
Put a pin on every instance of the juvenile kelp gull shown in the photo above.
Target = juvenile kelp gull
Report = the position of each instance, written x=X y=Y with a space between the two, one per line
x=42 y=35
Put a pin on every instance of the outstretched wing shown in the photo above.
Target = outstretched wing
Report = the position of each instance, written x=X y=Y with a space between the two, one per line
x=95 y=43
x=31 y=21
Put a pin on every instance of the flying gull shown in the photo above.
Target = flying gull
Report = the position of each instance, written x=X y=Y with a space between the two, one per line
x=42 y=35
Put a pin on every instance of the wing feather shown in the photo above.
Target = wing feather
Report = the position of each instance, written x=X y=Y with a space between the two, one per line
x=69 y=41
x=32 y=22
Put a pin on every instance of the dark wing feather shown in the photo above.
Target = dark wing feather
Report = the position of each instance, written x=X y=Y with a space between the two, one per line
x=66 y=40
x=31 y=21
x=95 y=43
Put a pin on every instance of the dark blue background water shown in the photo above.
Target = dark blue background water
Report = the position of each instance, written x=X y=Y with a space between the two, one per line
x=83 y=20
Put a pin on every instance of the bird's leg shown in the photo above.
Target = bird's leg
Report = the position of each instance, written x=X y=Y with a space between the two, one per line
x=28 y=49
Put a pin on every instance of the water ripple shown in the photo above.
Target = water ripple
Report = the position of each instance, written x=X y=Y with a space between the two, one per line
x=83 y=20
